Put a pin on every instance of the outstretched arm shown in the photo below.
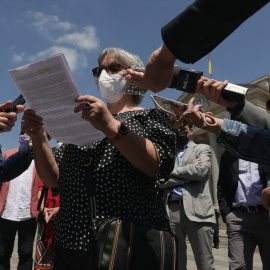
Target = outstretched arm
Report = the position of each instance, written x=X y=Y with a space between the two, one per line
x=158 y=71
x=46 y=166
x=15 y=164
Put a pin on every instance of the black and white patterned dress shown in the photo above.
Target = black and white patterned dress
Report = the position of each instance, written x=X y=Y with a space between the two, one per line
x=121 y=190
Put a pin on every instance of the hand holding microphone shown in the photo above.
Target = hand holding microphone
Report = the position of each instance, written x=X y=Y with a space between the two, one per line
x=230 y=95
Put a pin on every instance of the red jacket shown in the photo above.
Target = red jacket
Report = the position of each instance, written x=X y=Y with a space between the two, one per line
x=35 y=183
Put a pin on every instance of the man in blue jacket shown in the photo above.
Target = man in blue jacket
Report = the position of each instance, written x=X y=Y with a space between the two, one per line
x=18 y=162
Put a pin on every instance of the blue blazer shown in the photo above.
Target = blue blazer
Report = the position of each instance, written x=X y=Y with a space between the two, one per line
x=16 y=164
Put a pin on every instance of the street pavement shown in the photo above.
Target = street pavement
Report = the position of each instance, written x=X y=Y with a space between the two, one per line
x=220 y=255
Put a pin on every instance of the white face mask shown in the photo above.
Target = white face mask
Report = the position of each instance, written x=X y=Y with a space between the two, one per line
x=111 y=86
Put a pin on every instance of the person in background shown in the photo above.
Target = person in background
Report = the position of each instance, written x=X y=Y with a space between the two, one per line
x=125 y=167
x=188 y=200
x=240 y=185
x=49 y=203
x=18 y=211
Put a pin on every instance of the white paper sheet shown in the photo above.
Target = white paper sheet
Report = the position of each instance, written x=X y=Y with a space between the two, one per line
x=49 y=88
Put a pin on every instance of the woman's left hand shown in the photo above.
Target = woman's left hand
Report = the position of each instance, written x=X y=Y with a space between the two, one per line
x=97 y=114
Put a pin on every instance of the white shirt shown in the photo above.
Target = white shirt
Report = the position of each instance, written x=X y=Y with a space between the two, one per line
x=18 y=203
x=250 y=185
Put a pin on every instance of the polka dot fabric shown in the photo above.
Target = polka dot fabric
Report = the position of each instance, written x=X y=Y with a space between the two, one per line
x=121 y=190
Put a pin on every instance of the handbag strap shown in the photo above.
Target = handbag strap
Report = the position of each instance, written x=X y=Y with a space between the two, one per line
x=91 y=187
x=164 y=208
x=43 y=195
x=157 y=107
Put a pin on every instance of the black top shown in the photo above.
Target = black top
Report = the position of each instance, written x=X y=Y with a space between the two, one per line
x=204 y=24
x=121 y=190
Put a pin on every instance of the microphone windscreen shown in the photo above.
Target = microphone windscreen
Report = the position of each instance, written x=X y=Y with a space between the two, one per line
x=176 y=70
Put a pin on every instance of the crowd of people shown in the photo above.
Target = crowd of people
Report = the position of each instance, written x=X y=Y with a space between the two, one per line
x=144 y=155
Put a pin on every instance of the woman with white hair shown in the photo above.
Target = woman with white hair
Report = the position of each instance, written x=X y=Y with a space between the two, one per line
x=124 y=168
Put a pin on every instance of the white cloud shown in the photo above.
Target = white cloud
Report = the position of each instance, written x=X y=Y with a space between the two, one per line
x=75 y=59
x=18 y=57
x=45 y=23
x=85 y=40
x=63 y=37
x=64 y=33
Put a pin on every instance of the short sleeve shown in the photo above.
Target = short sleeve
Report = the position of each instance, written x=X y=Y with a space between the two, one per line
x=163 y=137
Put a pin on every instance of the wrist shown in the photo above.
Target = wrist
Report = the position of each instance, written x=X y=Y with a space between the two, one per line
x=112 y=130
x=122 y=131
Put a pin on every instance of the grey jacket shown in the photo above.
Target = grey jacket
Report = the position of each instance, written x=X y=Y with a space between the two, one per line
x=254 y=116
x=194 y=181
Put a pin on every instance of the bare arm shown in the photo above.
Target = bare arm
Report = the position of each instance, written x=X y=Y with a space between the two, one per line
x=140 y=152
x=158 y=71
x=45 y=163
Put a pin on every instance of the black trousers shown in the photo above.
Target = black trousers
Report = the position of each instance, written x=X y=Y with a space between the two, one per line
x=26 y=234
x=68 y=259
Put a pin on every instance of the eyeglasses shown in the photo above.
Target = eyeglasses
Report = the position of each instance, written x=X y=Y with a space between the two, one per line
x=111 y=69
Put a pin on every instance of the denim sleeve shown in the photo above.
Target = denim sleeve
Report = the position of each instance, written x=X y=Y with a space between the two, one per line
x=15 y=164
x=245 y=142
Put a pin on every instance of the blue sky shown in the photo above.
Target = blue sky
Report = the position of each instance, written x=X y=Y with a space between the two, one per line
x=33 y=30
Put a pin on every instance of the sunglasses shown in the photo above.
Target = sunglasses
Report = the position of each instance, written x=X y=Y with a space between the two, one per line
x=111 y=69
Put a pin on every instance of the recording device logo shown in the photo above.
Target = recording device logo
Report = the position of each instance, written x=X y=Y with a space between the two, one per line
x=185 y=83
x=186 y=80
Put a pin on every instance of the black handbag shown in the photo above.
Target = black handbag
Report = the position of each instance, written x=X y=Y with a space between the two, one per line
x=130 y=245
x=121 y=244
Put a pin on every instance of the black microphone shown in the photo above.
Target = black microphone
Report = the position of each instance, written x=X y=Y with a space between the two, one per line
x=186 y=80
x=18 y=101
